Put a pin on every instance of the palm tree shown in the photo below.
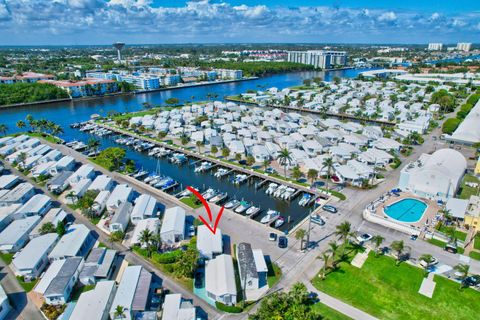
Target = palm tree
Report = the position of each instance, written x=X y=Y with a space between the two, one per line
x=119 y=312
x=214 y=150
x=284 y=158
x=300 y=235
x=71 y=195
x=21 y=158
x=463 y=270
x=199 y=145
x=325 y=257
x=3 y=128
x=266 y=164
x=225 y=152
x=328 y=164
x=21 y=124
x=398 y=247
x=312 y=174
x=427 y=258
x=184 y=138
x=333 y=249
x=146 y=237
x=377 y=240
x=343 y=231
x=93 y=144
x=56 y=130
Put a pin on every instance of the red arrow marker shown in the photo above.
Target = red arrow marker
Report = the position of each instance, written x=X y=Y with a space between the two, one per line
x=209 y=211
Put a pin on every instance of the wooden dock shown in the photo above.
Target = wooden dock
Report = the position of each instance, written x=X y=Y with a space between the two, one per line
x=189 y=153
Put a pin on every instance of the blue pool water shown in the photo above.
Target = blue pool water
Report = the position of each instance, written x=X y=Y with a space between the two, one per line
x=406 y=210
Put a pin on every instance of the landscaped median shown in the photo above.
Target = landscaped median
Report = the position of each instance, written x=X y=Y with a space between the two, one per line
x=387 y=291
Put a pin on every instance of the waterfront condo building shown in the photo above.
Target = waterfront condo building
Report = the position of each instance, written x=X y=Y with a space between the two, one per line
x=435 y=46
x=464 y=46
x=319 y=58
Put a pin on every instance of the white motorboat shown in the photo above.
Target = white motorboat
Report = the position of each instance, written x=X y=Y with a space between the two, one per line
x=252 y=211
x=271 y=188
x=270 y=216
x=244 y=205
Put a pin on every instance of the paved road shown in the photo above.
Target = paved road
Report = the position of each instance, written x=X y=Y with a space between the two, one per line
x=22 y=307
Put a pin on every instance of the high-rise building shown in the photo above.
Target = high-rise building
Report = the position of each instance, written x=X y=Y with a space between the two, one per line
x=464 y=46
x=319 y=58
x=435 y=46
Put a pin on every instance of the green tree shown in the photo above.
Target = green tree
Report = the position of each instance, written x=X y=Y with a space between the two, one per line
x=111 y=158
x=238 y=156
x=398 y=246
x=284 y=159
x=21 y=124
x=214 y=150
x=199 y=145
x=325 y=257
x=327 y=163
x=119 y=312
x=3 y=128
x=47 y=227
x=266 y=164
x=377 y=240
x=93 y=144
x=225 y=152
x=146 y=239
x=172 y=101
x=117 y=236
x=344 y=232
x=60 y=229
x=300 y=235
x=463 y=270
x=312 y=174
x=250 y=160
x=296 y=173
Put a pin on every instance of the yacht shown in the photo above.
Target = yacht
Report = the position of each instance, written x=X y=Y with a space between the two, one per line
x=218 y=198
x=140 y=174
x=240 y=178
x=150 y=178
x=232 y=204
x=209 y=194
x=220 y=173
x=253 y=211
x=288 y=193
x=244 y=205
x=270 y=216
x=305 y=199
x=271 y=188
x=279 y=222
x=280 y=190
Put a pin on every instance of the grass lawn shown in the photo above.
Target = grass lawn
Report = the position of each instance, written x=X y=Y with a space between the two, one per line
x=27 y=286
x=274 y=273
x=467 y=191
x=442 y=244
x=191 y=201
x=474 y=255
x=387 y=291
x=476 y=243
x=7 y=257
x=329 y=313
x=459 y=234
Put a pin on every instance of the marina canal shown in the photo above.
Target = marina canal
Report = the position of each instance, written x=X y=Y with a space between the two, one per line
x=65 y=113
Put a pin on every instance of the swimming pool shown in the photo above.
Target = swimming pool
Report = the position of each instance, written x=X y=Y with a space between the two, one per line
x=406 y=210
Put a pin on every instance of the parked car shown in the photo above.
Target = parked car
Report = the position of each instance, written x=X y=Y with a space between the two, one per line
x=413 y=237
x=329 y=208
x=282 y=242
x=313 y=297
x=450 y=248
x=425 y=264
x=364 y=238
x=270 y=170
x=272 y=236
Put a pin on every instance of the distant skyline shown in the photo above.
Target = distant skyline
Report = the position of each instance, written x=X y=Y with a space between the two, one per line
x=90 y=22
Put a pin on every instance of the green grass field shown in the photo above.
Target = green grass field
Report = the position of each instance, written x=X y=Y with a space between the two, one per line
x=329 y=313
x=459 y=234
x=474 y=255
x=27 y=286
x=476 y=243
x=387 y=291
x=467 y=191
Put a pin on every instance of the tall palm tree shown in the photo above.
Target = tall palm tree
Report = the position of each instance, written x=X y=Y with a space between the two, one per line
x=300 y=235
x=333 y=249
x=199 y=145
x=398 y=247
x=56 y=129
x=266 y=164
x=377 y=240
x=119 y=312
x=21 y=158
x=343 y=231
x=312 y=174
x=21 y=124
x=325 y=257
x=3 y=128
x=463 y=270
x=93 y=144
x=284 y=158
x=327 y=164
x=214 y=150
x=146 y=237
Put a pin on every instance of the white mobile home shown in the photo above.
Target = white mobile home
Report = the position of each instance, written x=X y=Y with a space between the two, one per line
x=95 y=304
x=121 y=218
x=122 y=193
x=77 y=191
x=100 y=202
x=59 y=182
x=151 y=224
x=39 y=204
x=86 y=171
x=53 y=216
x=15 y=236
x=145 y=207
x=76 y=242
x=132 y=293
x=102 y=183
x=67 y=163
x=209 y=245
x=175 y=308
x=18 y=195
x=173 y=225
x=32 y=260
x=220 y=280
x=98 y=265
x=8 y=181
x=58 y=281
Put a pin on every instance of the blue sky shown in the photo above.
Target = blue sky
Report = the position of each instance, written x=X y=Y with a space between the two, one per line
x=63 y=22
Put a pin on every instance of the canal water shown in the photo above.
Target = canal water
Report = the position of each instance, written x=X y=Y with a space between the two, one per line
x=65 y=113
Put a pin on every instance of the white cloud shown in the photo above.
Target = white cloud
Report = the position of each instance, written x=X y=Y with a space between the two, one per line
x=204 y=20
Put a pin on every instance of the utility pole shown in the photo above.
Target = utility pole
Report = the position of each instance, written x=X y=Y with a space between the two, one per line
x=309 y=227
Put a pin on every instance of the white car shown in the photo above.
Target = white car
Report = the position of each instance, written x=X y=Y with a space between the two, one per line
x=364 y=238
x=424 y=263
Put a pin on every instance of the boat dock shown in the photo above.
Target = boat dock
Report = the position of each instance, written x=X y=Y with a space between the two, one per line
x=233 y=168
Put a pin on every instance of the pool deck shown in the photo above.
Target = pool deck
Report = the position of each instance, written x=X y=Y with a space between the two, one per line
x=427 y=217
